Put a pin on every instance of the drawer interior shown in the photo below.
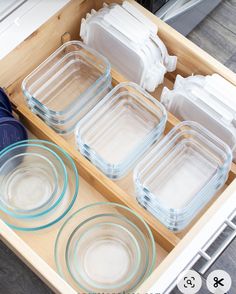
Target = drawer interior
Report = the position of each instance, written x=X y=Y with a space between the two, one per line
x=94 y=186
x=40 y=240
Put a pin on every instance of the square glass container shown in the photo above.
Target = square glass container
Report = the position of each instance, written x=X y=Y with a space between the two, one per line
x=181 y=174
x=66 y=82
x=120 y=128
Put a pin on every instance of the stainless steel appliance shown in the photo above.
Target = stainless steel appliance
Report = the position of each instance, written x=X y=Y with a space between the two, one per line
x=183 y=15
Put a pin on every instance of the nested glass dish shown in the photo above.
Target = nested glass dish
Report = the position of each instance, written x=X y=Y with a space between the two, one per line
x=182 y=173
x=120 y=128
x=105 y=248
x=30 y=200
x=33 y=180
x=66 y=80
x=66 y=127
x=67 y=85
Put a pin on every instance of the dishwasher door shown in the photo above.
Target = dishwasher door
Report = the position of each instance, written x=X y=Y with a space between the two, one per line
x=184 y=15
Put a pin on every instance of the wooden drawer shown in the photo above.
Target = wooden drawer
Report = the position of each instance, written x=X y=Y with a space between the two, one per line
x=36 y=249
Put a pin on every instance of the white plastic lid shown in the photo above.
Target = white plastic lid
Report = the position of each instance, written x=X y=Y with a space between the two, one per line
x=154 y=77
x=170 y=62
x=222 y=89
x=126 y=38
x=197 y=100
x=139 y=16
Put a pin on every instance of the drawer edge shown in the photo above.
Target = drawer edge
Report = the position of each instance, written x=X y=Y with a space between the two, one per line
x=34 y=261
x=22 y=28
x=186 y=252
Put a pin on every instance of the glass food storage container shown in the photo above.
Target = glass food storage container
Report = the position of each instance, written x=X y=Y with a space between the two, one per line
x=181 y=174
x=105 y=248
x=120 y=128
x=67 y=85
x=39 y=184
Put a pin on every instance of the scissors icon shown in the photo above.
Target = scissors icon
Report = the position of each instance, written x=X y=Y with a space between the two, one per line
x=218 y=282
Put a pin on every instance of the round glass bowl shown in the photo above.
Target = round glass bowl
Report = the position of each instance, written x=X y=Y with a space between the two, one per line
x=33 y=180
x=105 y=248
x=38 y=184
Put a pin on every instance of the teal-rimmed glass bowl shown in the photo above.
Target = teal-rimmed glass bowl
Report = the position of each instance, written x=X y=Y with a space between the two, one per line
x=105 y=248
x=62 y=204
x=33 y=180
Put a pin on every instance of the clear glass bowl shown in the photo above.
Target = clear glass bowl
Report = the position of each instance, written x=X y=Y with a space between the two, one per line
x=182 y=173
x=63 y=203
x=105 y=248
x=120 y=128
x=33 y=180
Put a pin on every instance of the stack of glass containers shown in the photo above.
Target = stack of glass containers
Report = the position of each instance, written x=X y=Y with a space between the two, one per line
x=38 y=184
x=120 y=128
x=182 y=174
x=67 y=85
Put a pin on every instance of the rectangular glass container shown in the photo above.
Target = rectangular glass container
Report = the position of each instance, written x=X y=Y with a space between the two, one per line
x=66 y=127
x=181 y=174
x=120 y=128
x=67 y=81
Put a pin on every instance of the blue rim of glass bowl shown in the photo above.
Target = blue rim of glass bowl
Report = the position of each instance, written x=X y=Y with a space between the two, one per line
x=142 y=275
x=76 y=185
x=60 y=232
x=20 y=211
x=24 y=144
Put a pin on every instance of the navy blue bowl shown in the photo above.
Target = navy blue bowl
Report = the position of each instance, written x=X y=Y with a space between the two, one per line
x=5 y=113
x=11 y=131
x=4 y=100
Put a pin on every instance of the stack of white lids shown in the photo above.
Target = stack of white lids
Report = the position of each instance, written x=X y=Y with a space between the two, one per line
x=129 y=40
